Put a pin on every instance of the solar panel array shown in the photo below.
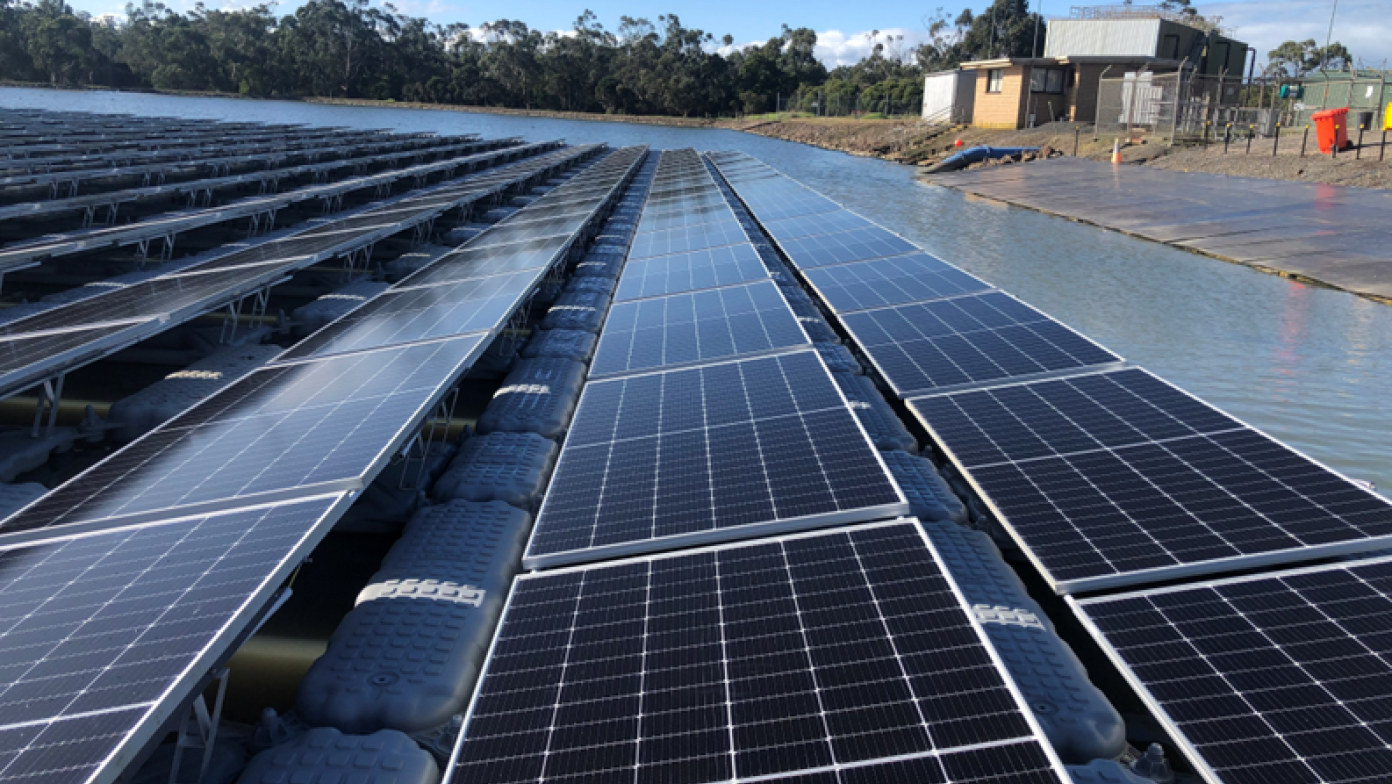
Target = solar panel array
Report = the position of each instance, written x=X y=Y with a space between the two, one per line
x=1270 y=678
x=708 y=416
x=56 y=340
x=844 y=657
x=1107 y=476
x=165 y=552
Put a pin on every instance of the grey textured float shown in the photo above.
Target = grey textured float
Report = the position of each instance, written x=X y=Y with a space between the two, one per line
x=879 y=420
x=406 y=657
x=325 y=756
x=928 y=494
x=583 y=310
x=1074 y=714
x=538 y=396
x=561 y=344
x=508 y=467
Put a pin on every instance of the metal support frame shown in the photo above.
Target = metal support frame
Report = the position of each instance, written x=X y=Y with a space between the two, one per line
x=423 y=231
x=255 y=225
x=259 y=300
x=351 y=260
x=50 y=395
x=418 y=448
x=142 y=249
x=198 y=730
x=331 y=203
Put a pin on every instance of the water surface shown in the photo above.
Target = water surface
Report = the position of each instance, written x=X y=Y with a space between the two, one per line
x=1308 y=365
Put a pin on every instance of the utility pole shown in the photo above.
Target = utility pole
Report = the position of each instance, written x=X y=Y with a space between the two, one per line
x=1329 y=37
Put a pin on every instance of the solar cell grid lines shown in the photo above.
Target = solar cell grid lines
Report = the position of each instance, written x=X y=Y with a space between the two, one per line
x=102 y=636
x=897 y=280
x=843 y=657
x=1278 y=677
x=966 y=340
x=702 y=269
x=283 y=431
x=706 y=454
x=867 y=242
x=686 y=238
x=703 y=326
x=807 y=225
x=1118 y=478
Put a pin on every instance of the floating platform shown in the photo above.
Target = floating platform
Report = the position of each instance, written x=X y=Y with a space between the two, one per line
x=1331 y=235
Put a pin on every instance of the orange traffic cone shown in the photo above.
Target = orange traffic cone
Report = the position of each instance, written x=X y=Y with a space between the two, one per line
x=1116 y=151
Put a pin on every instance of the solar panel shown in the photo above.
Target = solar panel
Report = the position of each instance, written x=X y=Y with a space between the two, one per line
x=897 y=280
x=1116 y=478
x=869 y=242
x=691 y=328
x=968 y=340
x=103 y=637
x=807 y=225
x=522 y=231
x=281 y=431
x=706 y=454
x=703 y=269
x=468 y=262
x=1270 y=678
x=684 y=214
x=422 y=313
x=781 y=201
x=843 y=657
x=686 y=238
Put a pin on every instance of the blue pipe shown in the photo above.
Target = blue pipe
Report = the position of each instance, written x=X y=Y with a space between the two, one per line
x=975 y=154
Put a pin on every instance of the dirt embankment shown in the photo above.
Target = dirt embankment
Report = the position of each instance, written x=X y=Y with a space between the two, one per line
x=907 y=142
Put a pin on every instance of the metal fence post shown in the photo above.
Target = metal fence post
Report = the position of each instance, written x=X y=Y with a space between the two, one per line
x=1304 y=139
x=1277 y=141
x=1251 y=132
x=1358 y=151
x=1078 y=129
x=1382 y=148
x=1334 y=144
x=1227 y=137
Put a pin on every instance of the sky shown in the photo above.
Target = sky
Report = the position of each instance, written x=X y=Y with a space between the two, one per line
x=1364 y=26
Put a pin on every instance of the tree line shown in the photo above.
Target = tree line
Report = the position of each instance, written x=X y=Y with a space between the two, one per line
x=351 y=49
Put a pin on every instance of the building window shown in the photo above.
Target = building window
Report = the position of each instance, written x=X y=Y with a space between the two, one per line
x=1046 y=80
x=994 y=78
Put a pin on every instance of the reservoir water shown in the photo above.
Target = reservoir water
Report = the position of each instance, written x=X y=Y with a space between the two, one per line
x=1310 y=366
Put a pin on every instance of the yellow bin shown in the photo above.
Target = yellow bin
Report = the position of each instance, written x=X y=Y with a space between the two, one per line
x=1387 y=121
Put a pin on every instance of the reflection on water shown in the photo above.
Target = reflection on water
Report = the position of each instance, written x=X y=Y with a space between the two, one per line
x=1310 y=366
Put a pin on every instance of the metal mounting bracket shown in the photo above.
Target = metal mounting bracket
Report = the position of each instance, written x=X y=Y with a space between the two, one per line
x=198 y=731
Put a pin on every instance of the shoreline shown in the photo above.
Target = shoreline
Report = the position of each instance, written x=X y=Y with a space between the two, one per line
x=909 y=143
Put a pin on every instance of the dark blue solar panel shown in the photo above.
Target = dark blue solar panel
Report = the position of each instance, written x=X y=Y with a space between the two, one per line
x=869 y=242
x=325 y=423
x=1266 y=679
x=807 y=225
x=1118 y=478
x=702 y=269
x=686 y=238
x=897 y=280
x=708 y=453
x=102 y=636
x=702 y=326
x=789 y=659
x=967 y=340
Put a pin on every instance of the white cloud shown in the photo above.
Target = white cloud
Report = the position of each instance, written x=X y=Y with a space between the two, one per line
x=837 y=48
x=1364 y=26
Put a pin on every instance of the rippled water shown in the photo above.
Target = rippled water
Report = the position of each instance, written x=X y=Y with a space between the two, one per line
x=1311 y=366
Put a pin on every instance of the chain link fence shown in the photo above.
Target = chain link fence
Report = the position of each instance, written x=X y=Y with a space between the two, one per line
x=1187 y=107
